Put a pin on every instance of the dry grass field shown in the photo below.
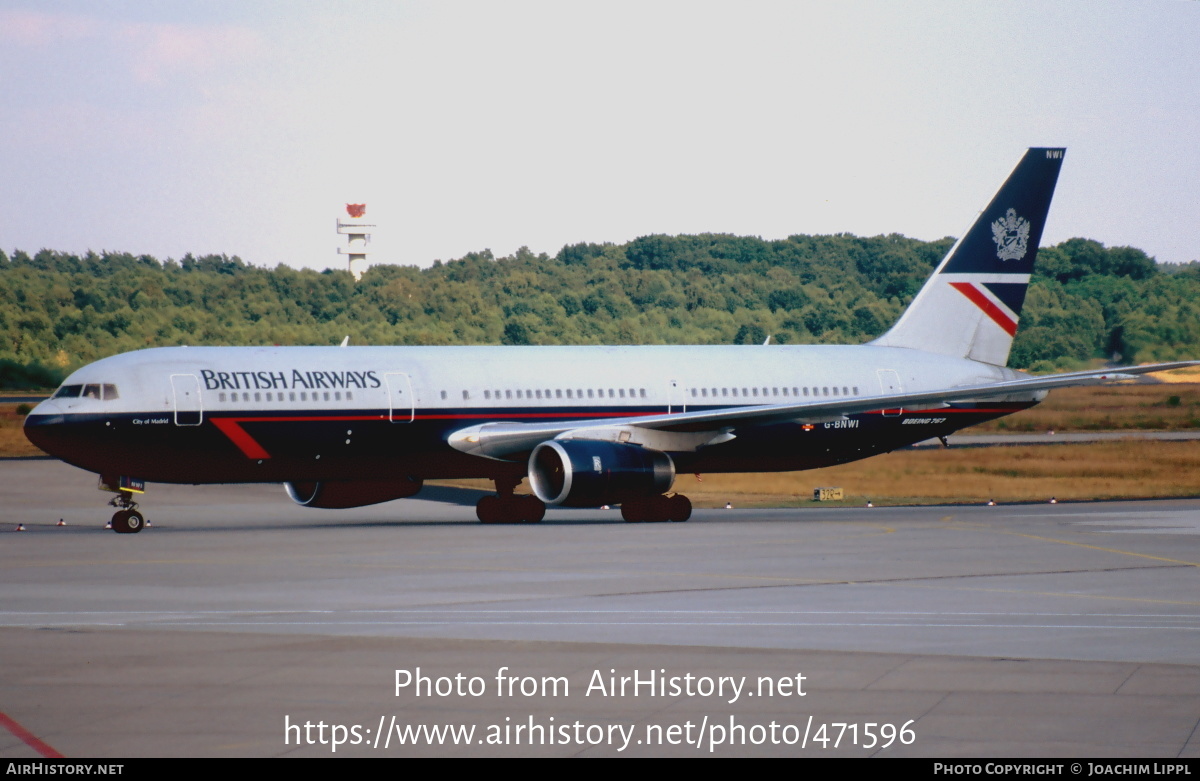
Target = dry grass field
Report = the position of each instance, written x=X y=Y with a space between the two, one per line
x=1103 y=470
x=1143 y=407
x=12 y=439
x=933 y=475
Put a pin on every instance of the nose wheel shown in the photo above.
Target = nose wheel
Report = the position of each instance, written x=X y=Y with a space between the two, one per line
x=127 y=522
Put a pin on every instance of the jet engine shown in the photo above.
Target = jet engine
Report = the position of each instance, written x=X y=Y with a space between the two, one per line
x=359 y=493
x=583 y=473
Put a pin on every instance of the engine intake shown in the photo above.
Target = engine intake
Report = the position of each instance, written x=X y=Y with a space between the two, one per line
x=341 y=495
x=583 y=473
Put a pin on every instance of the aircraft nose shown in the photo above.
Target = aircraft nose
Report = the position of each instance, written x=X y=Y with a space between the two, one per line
x=44 y=424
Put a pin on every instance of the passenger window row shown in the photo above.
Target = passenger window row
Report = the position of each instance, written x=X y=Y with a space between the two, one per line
x=640 y=393
x=110 y=392
x=557 y=393
x=288 y=396
x=795 y=391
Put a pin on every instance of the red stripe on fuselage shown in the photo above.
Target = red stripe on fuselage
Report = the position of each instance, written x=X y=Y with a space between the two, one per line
x=231 y=427
x=976 y=297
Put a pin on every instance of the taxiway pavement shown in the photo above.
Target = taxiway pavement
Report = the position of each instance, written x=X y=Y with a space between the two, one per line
x=1028 y=630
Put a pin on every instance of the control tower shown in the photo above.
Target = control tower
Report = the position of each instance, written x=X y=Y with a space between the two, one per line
x=358 y=235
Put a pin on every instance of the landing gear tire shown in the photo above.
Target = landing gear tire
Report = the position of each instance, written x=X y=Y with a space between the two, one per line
x=533 y=509
x=656 y=509
x=635 y=511
x=487 y=510
x=510 y=509
x=679 y=508
x=128 y=522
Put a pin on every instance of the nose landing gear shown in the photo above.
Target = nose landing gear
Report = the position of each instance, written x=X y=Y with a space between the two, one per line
x=126 y=520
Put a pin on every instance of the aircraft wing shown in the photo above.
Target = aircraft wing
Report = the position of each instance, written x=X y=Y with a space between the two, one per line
x=691 y=430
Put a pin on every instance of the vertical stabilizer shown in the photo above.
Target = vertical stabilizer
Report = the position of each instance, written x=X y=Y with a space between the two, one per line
x=970 y=307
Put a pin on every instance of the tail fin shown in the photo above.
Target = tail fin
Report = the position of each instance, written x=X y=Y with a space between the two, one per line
x=970 y=306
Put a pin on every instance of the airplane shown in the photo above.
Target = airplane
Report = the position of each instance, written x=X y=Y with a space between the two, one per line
x=346 y=426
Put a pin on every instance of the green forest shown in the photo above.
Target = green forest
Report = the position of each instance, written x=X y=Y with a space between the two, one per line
x=59 y=311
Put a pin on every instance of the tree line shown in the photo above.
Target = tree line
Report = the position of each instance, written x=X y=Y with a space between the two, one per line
x=59 y=311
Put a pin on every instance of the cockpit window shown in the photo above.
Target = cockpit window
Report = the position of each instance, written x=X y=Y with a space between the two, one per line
x=99 y=391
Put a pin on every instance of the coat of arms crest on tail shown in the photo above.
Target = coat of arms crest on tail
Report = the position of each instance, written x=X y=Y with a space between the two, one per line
x=1011 y=234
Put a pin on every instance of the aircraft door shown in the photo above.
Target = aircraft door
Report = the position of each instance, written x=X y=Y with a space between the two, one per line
x=401 y=403
x=676 y=397
x=889 y=384
x=189 y=409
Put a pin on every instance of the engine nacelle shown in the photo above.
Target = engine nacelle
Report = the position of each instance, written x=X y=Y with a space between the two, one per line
x=583 y=473
x=360 y=493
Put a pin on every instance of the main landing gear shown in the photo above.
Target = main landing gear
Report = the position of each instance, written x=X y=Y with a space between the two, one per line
x=507 y=507
x=676 y=508
x=126 y=520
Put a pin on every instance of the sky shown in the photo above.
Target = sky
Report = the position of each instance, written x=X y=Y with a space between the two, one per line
x=165 y=128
